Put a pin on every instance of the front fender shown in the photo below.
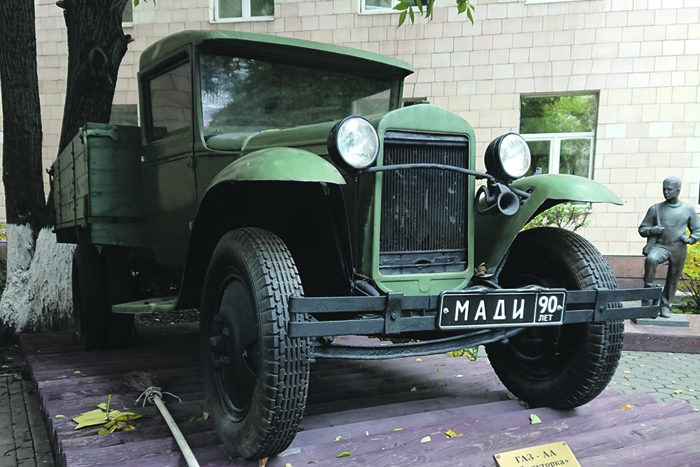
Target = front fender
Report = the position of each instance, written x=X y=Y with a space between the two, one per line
x=495 y=233
x=280 y=164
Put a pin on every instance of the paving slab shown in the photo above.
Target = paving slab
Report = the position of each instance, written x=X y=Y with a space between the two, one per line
x=676 y=320
x=659 y=338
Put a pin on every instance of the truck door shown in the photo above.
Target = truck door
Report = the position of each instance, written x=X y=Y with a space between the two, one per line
x=168 y=176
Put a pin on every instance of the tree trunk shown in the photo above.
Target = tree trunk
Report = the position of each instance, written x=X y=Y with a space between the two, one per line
x=22 y=165
x=96 y=46
x=37 y=296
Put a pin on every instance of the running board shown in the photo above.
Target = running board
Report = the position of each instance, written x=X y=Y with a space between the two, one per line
x=161 y=304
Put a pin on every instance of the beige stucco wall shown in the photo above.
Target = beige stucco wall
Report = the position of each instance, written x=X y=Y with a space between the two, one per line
x=640 y=55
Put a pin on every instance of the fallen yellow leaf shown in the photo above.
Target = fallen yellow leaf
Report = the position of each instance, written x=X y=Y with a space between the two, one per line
x=343 y=454
x=398 y=429
x=419 y=359
x=452 y=434
x=92 y=418
x=534 y=419
x=76 y=372
x=338 y=438
x=628 y=406
x=425 y=439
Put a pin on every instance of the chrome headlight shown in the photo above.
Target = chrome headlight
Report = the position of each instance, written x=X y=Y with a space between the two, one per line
x=508 y=157
x=353 y=143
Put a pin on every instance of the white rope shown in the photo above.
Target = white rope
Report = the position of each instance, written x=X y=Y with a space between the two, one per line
x=154 y=395
x=150 y=393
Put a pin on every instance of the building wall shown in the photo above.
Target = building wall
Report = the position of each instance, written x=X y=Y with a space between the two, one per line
x=641 y=56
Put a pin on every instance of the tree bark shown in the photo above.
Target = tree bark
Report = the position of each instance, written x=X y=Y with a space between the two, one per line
x=96 y=46
x=22 y=165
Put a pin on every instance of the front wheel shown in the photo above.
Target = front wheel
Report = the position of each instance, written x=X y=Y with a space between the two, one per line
x=256 y=376
x=557 y=366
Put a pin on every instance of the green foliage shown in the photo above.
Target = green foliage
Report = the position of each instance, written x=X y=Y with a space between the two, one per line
x=565 y=216
x=690 y=279
x=426 y=9
x=470 y=353
x=558 y=114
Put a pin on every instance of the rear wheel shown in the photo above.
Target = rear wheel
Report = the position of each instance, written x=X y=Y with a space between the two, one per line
x=558 y=366
x=256 y=375
x=120 y=287
x=89 y=319
x=99 y=281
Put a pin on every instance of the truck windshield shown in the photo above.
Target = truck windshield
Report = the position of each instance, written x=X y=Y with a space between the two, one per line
x=242 y=95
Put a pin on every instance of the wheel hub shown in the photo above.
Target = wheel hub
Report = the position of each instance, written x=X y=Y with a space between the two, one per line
x=234 y=347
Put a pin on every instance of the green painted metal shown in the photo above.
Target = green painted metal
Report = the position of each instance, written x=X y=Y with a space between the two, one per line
x=301 y=137
x=126 y=191
x=263 y=46
x=495 y=233
x=425 y=119
x=280 y=164
x=97 y=181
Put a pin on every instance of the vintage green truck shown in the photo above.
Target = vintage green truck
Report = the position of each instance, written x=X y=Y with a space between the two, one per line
x=280 y=187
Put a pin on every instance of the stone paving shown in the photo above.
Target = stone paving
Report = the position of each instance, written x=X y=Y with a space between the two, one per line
x=664 y=375
x=24 y=440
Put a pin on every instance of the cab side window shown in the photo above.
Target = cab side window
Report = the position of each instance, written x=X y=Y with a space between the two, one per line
x=170 y=99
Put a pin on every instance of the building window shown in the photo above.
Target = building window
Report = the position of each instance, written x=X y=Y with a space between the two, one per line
x=170 y=102
x=128 y=15
x=230 y=10
x=560 y=131
x=126 y=114
x=374 y=6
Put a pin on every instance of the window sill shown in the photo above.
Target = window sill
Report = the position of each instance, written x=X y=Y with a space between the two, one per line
x=242 y=20
x=379 y=11
x=532 y=2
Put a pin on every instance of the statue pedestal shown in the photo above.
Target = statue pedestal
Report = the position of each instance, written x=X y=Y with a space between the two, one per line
x=678 y=321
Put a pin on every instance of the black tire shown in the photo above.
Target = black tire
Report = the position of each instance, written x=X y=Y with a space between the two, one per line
x=557 y=366
x=89 y=319
x=120 y=288
x=256 y=376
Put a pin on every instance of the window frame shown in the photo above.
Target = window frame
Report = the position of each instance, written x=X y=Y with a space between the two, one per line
x=150 y=137
x=378 y=10
x=245 y=14
x=555 y=140
x=128 y=24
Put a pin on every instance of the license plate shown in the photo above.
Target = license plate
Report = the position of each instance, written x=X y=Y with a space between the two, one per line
x=460 y=310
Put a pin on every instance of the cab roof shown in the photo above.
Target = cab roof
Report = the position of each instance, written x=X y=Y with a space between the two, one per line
x=276 y=48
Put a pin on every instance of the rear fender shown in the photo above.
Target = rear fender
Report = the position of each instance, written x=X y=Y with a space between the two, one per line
x=495 y=233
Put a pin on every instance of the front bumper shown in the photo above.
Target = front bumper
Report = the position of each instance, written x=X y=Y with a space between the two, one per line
x=395 y=314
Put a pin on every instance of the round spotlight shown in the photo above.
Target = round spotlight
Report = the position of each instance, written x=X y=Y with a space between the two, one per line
x=353 y=143
x=508 y=157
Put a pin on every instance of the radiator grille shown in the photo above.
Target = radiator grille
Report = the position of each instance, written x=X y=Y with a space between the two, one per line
x=423 y=210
